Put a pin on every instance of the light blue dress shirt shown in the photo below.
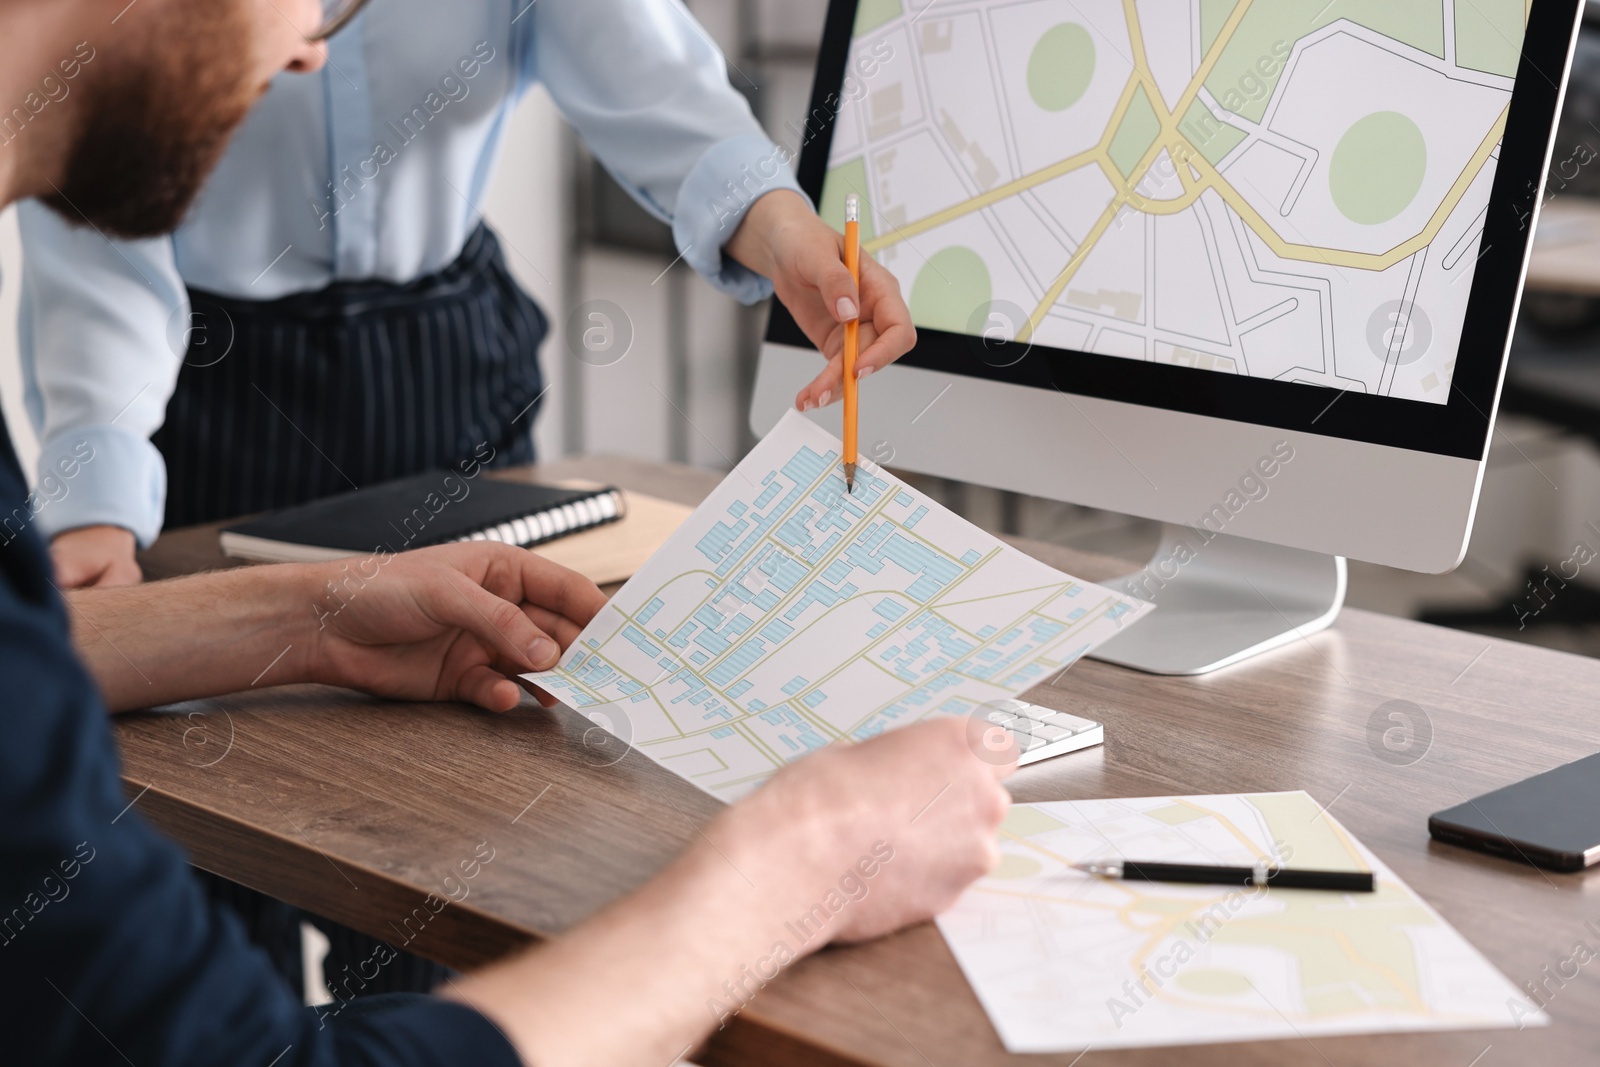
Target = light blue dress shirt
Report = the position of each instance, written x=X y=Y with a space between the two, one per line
x=373 y=168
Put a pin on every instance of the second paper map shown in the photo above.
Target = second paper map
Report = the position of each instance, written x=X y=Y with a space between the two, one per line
x=1064 y=961
x=786 y=614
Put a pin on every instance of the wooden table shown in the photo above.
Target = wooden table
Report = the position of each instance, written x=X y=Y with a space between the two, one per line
x=358 y=808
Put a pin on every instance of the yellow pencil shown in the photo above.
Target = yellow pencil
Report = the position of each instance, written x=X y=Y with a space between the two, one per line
x=852 y=337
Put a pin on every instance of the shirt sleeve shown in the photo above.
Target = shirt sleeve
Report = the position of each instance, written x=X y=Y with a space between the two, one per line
x=101 y=330
x=649 y=92
x=110 y=952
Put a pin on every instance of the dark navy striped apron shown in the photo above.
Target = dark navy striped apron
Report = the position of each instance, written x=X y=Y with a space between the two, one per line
x=289 y=400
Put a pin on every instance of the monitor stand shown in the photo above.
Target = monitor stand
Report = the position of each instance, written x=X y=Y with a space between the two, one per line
x=1222 y=600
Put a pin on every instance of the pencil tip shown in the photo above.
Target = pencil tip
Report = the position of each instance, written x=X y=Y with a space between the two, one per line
x=850 y=478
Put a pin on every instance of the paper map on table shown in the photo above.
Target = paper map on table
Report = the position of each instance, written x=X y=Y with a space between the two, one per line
x=785 y=614
x=1062 y=960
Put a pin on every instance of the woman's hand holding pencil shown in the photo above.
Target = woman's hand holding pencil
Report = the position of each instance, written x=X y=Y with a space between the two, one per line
x=782 y=239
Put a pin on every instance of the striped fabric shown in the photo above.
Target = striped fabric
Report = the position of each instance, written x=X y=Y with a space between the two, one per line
x=329 y=391
x=359 y=383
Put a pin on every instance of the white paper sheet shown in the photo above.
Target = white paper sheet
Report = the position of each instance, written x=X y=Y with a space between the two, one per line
x=785 y=614
x=1064 y=961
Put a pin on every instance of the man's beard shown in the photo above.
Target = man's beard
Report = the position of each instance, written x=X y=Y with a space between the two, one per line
x=152 y=134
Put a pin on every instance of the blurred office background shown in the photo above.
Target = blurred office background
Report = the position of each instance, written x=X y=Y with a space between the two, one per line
x=681 y=392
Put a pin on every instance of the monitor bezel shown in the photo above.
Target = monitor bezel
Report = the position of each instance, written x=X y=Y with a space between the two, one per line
x=1458 y=428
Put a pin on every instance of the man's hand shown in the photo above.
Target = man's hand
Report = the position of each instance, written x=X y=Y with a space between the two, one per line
x=783 y=239
x=925 y=793
x=447 y=623
x=690 y=947
x=95 y=556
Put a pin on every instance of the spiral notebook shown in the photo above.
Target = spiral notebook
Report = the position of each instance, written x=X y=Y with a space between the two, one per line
x=437 y=508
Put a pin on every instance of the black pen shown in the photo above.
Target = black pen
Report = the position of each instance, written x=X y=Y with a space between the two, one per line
x=1260 y=875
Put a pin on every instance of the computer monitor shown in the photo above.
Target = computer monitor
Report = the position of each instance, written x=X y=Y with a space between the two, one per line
x=1247 y=268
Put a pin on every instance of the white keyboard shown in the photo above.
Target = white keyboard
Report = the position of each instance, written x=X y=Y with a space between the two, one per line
x=1041 y=733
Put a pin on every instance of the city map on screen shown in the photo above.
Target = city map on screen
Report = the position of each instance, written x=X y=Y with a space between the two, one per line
x=1293 y=189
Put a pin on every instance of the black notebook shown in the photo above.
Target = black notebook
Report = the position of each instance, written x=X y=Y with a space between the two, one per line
x=436 y=508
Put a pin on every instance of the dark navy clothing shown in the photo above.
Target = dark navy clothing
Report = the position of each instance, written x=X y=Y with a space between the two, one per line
x=109 y=951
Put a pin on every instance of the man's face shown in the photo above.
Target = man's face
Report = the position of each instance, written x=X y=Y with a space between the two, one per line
x=177 y=78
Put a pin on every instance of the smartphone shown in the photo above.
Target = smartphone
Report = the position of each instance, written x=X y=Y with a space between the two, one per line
x=1550 y=820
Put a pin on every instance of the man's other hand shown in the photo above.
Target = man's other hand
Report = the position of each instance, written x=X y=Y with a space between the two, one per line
x=899 y=825
x=447 y=623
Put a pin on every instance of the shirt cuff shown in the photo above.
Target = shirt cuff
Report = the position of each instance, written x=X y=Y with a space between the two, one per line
x=732 y=175
x=101 y=475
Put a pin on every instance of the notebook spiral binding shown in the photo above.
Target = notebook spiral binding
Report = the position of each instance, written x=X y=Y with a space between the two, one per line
x=540 y=526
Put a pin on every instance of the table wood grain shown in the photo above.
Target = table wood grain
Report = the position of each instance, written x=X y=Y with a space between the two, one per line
x=359 y=809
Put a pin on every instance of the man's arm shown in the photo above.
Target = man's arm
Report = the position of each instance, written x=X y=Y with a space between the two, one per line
x=101 y=329
x=448 y=623
x=847 y=844
x=110 y=951
x=113 y=954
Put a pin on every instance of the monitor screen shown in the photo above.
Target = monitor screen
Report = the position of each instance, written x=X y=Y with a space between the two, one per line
x=1262 y=211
